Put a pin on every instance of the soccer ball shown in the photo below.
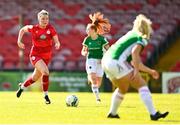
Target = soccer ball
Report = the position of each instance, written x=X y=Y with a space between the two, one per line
x=72 y=101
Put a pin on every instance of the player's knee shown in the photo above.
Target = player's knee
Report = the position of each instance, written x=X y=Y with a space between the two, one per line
x=93 y=79
x=45 y=72
x=98 y=82
x=123 y=91
x=35 y=78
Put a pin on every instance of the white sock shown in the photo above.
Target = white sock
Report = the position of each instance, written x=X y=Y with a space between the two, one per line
x=95 y=90
x=22 y=86
x=116 y=100
x=147 y=99
x=46 y=93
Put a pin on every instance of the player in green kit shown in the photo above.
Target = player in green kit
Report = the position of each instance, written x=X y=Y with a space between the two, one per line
x=93 y=46
x=122 y=64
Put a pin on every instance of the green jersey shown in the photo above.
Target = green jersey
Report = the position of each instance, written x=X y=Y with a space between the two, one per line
x=95 y=47
x=123 y=47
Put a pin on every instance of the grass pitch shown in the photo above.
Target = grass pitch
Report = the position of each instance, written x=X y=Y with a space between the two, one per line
x=31 y=109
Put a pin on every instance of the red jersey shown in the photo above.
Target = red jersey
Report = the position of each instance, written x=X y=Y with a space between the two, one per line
x=42 y=40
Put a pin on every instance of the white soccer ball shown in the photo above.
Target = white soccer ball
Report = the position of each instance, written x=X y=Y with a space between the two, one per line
x=72 y=101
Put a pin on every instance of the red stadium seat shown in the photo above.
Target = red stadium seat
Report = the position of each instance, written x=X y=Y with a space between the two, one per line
x=70 y=17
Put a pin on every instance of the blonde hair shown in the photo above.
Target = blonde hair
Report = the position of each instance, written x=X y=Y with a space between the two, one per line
x=42 y=12
x=143 y=26
x=100 y=24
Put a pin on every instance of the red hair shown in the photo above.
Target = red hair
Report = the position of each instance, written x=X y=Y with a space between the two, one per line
x=100 y=24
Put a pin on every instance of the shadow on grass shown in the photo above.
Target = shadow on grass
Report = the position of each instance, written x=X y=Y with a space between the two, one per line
x=170 y=121
x=103 y=106
x=128 y=106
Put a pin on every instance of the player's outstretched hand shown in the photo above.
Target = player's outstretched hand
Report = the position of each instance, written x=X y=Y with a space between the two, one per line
x=154 y=74
x=57 y=45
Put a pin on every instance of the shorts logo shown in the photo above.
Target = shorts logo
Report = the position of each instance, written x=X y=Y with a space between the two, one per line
x=120 y=68
x=33 y=58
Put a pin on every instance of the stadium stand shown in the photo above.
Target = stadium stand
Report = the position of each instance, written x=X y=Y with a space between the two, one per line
x=169 y=60
x=70 y=18
x=176 y=67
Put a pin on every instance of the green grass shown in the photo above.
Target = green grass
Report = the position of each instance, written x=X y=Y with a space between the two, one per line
x=30 y=109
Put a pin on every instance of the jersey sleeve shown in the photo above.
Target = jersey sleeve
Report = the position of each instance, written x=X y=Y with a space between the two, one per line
x=30 y=29
x=142 y=42
x=85 y=42
x=104 y=41
x=53 y=31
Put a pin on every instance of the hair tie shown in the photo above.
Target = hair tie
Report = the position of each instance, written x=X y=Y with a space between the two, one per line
x=96 y=22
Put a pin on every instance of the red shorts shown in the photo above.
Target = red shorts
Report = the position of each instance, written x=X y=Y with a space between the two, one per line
x=35 y=59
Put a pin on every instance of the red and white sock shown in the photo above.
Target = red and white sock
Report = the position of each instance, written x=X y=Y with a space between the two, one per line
x=27 y=83
x=95 y=90
x=145 y=95
x=45 y=83
x=116 y=100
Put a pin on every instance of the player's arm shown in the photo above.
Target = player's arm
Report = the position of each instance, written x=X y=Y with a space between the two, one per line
x=105 y=44
x=106 y=47
x=21 y=33
x=136 y=56
x=56 y=41
x=138 y=65
x=135 y=52
x=84 y=50
x=148 y=70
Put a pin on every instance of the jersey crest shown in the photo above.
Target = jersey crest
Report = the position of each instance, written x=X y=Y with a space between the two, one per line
x=42 y=37
x=48 y=32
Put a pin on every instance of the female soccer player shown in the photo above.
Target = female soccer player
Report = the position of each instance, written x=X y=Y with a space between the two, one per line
x=122 y=64
x=43 y=35
x=93 y=46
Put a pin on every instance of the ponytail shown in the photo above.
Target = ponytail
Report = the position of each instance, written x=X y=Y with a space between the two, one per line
x=101 y=24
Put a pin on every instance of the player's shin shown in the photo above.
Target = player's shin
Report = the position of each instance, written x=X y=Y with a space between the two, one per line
x=45 y=83
x=27 y=83
x=145 y=95
x=116 y=100
x=95 y=90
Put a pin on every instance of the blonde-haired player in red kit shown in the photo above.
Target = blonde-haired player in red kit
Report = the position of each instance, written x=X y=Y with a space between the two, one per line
x=43 y=35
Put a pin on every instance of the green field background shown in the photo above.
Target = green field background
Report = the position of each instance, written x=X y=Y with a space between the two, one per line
x=31 y=109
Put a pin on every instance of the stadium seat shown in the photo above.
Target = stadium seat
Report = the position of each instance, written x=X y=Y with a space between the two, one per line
x=71 y=17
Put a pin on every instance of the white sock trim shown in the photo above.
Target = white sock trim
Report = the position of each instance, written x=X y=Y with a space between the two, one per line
x=144 y=89
x=22 y=86
x=46 y=93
